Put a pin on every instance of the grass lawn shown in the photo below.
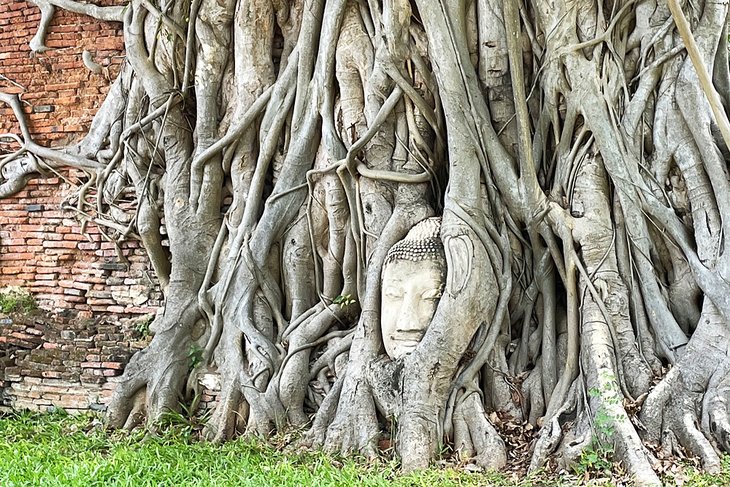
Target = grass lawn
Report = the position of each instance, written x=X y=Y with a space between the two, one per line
x=59 y=450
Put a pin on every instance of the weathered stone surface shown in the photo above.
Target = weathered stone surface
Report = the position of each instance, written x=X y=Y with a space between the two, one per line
x=55 y=361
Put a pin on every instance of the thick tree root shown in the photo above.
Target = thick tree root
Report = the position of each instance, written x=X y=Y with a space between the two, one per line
x=153 y=382
x=671 y=415
x=231 y=413
x=688 y=408
x=716 y=407
x=601 y=417
x=475 y=437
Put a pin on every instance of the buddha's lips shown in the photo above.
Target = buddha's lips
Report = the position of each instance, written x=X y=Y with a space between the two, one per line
x=406 y=343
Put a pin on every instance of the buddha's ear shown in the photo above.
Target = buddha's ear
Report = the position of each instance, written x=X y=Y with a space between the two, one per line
x=459 y=256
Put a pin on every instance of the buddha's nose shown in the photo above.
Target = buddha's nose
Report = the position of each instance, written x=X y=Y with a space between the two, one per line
x=409 y=320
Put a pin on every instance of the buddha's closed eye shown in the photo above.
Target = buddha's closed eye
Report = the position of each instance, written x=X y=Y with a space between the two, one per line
x=431 y=294
x=393 y=292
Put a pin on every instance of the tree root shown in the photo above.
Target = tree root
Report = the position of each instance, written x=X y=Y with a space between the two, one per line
x=355 y=425
x=475 y=436
x=671 y=416
x=152 y=383
x=688 y=407
x=593 y=193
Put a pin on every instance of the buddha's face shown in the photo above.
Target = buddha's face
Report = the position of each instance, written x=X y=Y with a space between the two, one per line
x=411 y=292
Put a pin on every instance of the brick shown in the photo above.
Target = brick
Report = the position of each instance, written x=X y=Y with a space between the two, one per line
x=113 y=365
x=90 y=365
x=19 y=256
x=46 y=277
x=32 y=228
x=59 y=245
x=55 y=374
x=13 y=241
x=11 y=213
x=42 y=269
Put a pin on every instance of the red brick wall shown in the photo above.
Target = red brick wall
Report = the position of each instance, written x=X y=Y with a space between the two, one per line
x=57 y=77
x=51 y=362
x=42 y=247
x=73 y=364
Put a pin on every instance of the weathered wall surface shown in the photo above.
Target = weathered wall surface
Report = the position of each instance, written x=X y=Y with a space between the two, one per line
x=43 y=249
x=62 y=94
x=42 y=246
x=56 y=361
x=59 y=360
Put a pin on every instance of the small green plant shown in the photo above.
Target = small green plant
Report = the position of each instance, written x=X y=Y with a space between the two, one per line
x=344 y=300
x=173 y=427
x=14 y=299
x=195 y=355
x=143 y=326
x=595 y=459
x=603 y=423
x=597 y=456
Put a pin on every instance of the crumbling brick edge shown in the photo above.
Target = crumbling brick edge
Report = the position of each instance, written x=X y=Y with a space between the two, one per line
x=50 y=361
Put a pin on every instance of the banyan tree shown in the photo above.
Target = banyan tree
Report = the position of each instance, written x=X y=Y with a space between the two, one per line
x=396 y=218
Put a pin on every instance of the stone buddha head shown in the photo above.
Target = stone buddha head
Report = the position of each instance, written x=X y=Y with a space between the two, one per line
x=413 y=280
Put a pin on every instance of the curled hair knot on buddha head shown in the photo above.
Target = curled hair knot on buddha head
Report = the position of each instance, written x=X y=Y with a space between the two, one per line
x=423 y=242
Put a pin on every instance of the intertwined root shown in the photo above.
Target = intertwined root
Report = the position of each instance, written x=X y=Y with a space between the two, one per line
x=231 y=412
x=154 y=380
x=595 y=410
x=716 y=408
x=689 y=407
x=673 y=417
x=354 y=426
x=475 y=436
x=151 y=388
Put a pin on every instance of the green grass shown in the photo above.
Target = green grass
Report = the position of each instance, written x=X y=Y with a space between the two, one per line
x=59 y=450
